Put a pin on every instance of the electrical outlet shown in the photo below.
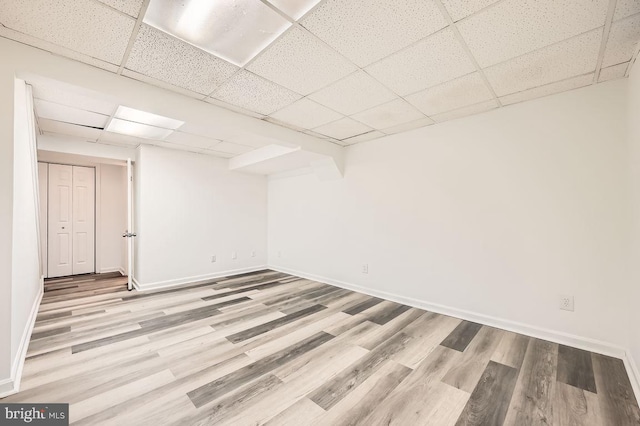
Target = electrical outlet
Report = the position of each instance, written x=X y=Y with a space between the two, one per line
x=213 y=259
x=279 y=254
x=234 y=255
x=253 y=253
x=365 y=268
x=566 y=302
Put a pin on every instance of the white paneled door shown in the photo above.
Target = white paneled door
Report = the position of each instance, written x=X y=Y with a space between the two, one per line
x=83 y=219
x=71 y=220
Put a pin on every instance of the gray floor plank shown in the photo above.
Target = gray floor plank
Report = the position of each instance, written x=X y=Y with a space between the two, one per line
x=460 y=338
x=575 y=368
x=217 y=388
x=490 y=399
x=263 y=328
x=333 y=391
x=618 y=405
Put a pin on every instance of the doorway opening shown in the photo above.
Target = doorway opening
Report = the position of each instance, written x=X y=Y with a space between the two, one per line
x=84 y=210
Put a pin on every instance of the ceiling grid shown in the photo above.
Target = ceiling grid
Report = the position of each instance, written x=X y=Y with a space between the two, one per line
x=346 y=71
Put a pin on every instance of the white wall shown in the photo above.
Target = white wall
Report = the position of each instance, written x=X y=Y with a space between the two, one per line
x=6 y=222
x=496 y=214
x=190 y=207
x=26 y=284
x=74 y=146
x=633 y=119
x=113 y=217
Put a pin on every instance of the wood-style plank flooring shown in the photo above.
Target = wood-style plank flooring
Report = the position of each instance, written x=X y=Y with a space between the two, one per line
x=270 y=348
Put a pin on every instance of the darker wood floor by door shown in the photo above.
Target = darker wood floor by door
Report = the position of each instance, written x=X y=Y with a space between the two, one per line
x=270 y=348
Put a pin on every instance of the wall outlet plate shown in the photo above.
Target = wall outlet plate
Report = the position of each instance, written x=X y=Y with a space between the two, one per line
x=253 y=253
x=566 y=302
x=234 y=255
x=213 y=259
x=365 y=268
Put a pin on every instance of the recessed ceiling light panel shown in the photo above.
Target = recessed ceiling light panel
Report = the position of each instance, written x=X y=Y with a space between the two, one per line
x=140 y=130
x=232 y=30
x=138 y=116
x=294 y=8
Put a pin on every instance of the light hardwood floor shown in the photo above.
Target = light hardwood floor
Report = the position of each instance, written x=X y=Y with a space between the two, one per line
x=270 y=348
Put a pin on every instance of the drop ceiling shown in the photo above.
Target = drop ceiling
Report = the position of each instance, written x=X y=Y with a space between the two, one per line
x=347 y=71
x=88 y=116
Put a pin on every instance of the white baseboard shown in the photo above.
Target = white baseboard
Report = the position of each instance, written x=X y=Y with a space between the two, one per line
x=634 y=373
x=580 y=342
x=193 y=280
x=112 y=269
x=12 y=385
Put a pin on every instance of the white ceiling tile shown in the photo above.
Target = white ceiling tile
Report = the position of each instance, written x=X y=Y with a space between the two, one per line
x=66 y=95
x=212 y=131
x=88 y=133
x=234 y=108
x=315 y=134
x=120 y=139
x=301 y=63
x=623 y=40
x=252 y=140
x=548 y=89
x=466 y=111
x=284 y=124
x=294 y=8
x=515 y=27
x=432 y=61
x=176 y=146
x=163 y=84
x=453 y=94
x=411 y=125
x=194 y=141
x=343 y=129
x=56 y=49
x=569 y=58
x=232 y=148
x=459 y=9
x=626 y=8
x=130 y=7
x=613 y=72
x=67 y=114
x=217 y=153
x=390 y=114
x=168 y=59
x=254 y=93
x=306 y=114
x=84 y=26
x=364 y=137
x=368 y=30
x=354 y=93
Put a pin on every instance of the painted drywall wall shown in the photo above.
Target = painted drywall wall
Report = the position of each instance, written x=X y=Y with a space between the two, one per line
x=73 y=146
x=633 y=128
x=190 y=207
x=496 y=214
x=113 y=217
x=6 y=222
x=26 y=284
